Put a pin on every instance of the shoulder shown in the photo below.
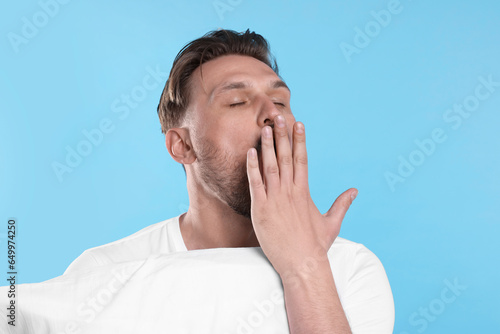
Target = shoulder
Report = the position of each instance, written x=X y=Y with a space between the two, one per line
x=149 y=240
x=355 y=260
x=366 y=293
x=350 y=254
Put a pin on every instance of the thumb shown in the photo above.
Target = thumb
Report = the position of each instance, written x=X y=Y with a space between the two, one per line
x=337 y=211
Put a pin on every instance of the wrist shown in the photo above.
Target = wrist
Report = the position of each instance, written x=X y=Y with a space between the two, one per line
x=307 y=270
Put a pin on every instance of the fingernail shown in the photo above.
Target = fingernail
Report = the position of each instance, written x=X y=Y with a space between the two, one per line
x=280 y=121
x=267 y=132
x=353 y=195
x=299 y=128
x=252 y=153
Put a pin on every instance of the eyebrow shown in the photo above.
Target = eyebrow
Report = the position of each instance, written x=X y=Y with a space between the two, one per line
x=227 y=86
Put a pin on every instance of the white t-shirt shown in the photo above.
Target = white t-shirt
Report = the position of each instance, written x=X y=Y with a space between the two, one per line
x=160 y=238
x=359 y=275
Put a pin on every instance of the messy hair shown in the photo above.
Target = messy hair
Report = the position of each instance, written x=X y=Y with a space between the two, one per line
x=175 y=97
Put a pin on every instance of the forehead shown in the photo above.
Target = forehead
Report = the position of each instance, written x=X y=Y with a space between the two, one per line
x=217 y=72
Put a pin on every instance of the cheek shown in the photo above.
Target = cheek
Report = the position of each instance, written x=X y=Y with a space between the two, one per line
x=233 y=135
x=241 y=134
x=232 y=143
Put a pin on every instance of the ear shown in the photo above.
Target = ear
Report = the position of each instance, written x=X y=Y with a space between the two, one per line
x=179 y=145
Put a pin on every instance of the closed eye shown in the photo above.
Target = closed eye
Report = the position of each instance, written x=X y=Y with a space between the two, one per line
x=233 y=105
x=236 y=104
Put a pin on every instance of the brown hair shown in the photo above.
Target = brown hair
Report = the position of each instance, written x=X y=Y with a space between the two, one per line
x=176 y=94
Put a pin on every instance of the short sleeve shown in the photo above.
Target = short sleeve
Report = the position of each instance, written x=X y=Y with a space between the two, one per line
x=368 y=301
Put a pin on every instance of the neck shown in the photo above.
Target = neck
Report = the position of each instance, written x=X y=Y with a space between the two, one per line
x=211 y=223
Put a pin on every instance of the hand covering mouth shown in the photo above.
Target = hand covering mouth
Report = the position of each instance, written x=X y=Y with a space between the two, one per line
x=258 y=147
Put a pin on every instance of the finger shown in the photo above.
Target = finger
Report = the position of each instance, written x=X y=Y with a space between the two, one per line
x=283 y=150
x=257 y=189
x=339 y=208
x=299 y=155
x=269 y=165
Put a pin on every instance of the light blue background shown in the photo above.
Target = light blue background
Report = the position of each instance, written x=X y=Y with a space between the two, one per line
x=441 y=223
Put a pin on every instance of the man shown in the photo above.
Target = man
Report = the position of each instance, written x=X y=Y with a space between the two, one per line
x=227 y=119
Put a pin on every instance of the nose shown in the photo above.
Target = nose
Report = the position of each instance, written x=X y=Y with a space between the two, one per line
x=268 y=111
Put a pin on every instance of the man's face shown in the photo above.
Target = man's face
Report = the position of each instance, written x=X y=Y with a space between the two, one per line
x=232 y=98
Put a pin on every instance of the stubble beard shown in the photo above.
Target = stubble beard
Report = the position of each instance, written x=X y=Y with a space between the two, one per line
x=227 y=176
